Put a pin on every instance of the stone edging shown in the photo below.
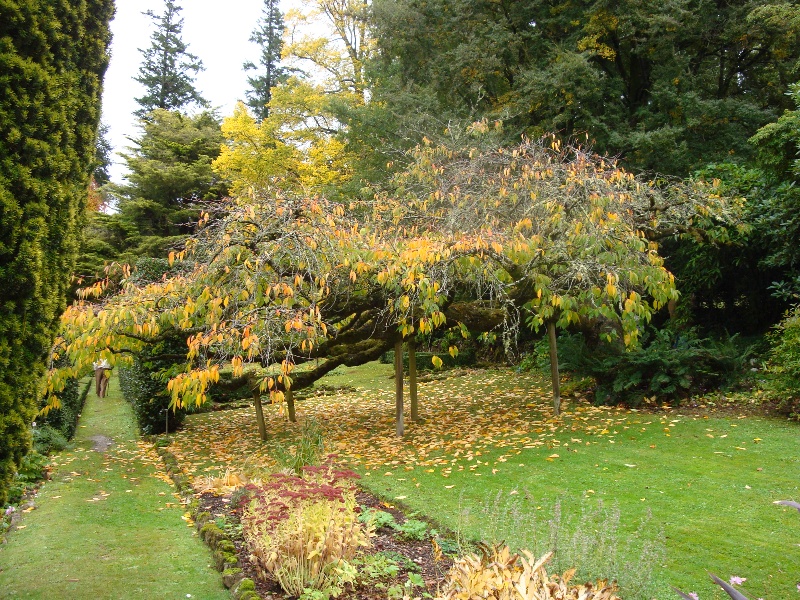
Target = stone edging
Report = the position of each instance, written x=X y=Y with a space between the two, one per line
x=222 y=548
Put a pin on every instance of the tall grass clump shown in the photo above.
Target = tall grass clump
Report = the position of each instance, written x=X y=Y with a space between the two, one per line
x=304 y=531
x=588 y=538
x=307 y=451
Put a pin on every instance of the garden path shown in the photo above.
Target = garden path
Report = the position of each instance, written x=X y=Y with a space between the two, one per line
x=107 y=524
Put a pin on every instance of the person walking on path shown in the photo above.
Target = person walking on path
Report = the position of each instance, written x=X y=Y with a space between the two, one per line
x=101 y=376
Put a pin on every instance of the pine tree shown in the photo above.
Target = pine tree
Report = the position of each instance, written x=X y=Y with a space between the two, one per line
x=52 y=56
x=269 y=36
x=168 y=70
x=102 y=156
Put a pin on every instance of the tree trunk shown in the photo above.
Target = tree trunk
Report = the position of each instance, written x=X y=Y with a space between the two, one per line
x=262 y=427
x=290 y=405
x=551 y=335
x=412 y=379
x=398 y=385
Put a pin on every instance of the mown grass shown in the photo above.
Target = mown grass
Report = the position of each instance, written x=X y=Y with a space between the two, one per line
x=107 y=525
x=491 y=461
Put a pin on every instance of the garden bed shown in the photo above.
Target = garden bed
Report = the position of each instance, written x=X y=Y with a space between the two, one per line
x=411 y=556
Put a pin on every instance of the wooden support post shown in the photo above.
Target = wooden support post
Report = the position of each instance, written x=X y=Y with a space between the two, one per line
x=551 y=335
x=290 y=405
x=398 y=386
x=262 y=427
x=412 y=379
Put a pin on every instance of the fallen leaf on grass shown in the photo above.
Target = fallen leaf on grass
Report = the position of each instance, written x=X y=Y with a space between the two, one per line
x=460 y=424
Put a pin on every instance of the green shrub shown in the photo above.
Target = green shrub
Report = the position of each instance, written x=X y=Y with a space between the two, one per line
x=377 y=566
x=665 y=367
x=784 y=364
x=377 y=518
x=53 y=56
x=143 y=384
x=464 y=358
x=412 y=529
x=65 y=418
x=47 y=440
x=32 y=470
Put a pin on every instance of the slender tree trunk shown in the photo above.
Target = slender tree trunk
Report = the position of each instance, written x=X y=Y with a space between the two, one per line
x=262 y=427
x=412 y=379
x=398 y=386
x=551 y=335
x=290 y=405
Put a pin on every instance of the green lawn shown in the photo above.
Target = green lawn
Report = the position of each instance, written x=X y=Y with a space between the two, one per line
x=107 y=525
x=491 y=462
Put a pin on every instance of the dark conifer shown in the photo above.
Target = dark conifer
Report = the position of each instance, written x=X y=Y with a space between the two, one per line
x=168 y=70
x=269 y=36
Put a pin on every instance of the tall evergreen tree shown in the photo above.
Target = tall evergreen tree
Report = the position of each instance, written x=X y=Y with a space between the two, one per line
x=269 y=36
x=52 y=58
x=170 y=175
x=102 y=156
x=168 y=70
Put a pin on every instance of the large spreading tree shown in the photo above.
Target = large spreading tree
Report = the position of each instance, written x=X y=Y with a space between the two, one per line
x=52 y=58
x=168 y=69
x=285 y=287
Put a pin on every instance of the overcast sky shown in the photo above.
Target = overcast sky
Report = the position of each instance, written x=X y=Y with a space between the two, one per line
x=217 y=32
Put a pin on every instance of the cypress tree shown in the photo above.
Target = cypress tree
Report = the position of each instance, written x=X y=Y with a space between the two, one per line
x=269 y=36
x=168 y=69
x=53 y=54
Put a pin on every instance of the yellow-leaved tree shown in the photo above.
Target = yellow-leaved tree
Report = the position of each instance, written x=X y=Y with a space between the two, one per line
x=298 y=146
x=285 y=287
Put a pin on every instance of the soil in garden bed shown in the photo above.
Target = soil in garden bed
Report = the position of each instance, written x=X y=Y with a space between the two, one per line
x=431 y=564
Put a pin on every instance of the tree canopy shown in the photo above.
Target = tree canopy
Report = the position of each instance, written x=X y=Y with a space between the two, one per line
x=668 y=86
x=475 y=237
x=170 y=176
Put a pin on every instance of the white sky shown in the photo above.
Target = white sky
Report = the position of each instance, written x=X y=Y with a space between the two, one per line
x=217 y=32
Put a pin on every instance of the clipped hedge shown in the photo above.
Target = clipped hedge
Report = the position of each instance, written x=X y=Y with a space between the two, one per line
x=65 y=419
x=143 y=384
x=52 y=59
